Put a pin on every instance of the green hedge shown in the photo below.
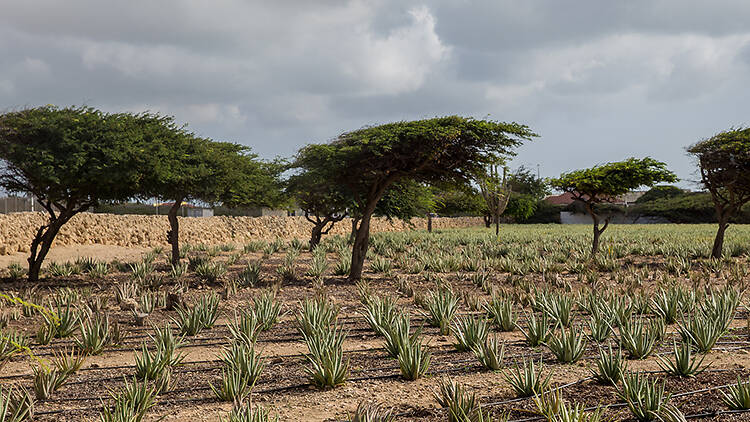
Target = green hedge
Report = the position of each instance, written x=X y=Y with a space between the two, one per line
x=695 y=207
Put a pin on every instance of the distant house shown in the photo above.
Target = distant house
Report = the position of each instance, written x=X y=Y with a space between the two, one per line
x=186 y=210
x=196 y=211
x=578 y=217
x=562 y=199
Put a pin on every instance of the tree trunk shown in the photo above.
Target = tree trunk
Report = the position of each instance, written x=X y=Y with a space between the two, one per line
x=429 y=222
x=597 y=234
x=316 y=235
x=41 y=244
x=716 y=252
x=173 y=235
x=353 y=234
x=359 y=249
x=595 y=241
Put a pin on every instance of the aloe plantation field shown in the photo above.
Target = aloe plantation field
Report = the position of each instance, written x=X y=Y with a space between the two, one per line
x=453 y=325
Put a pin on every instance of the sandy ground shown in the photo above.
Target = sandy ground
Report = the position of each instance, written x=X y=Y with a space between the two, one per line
x=70 y=253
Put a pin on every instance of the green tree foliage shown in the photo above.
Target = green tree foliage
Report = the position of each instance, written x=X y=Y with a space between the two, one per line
x=524 y=182
x=181 y=167
x=604 y=183
x=660 y=192
x=446 y=149
x=688 y=208
x=462 y=200
x=495 y=191
x=527 y=192
x=70 y=159
x=405 y=200
x=724 y=161
x=325 y=203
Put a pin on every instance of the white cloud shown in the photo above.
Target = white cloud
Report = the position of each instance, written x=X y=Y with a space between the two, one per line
x=402 y=60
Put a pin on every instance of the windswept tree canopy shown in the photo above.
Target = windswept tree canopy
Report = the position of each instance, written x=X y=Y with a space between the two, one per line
x=433 y=150
x=179 y=166
x=445 y=149
x=70 y=159
x=326 y=203
x=604 y=183
x=724 y=161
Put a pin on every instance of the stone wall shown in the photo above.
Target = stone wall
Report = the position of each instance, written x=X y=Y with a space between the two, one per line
x=17 y=230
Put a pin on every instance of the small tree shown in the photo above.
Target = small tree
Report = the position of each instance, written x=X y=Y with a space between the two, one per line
x=70 y=159
x=446 y=149
x=724 y=161
x=604 y=183
x=182 y=167
x=496 y=193
x=324 y=203
x=527 y=192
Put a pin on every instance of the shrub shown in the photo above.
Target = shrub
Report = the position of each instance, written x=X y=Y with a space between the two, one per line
x=131 y=403
x=638 y=338
x=610 y=367
x=528 y=381
x=68 y=363
x=245 y=327
x=559 y=307
x=682 y=363
x=380 y=312
x=267 y=309
x=667 y=304
x=646 y=399
x=600 y=328
x=502 y=313
x=326 y=358
x=537 y=329
x=738 y=395
x=234 y=386
x=12 y=408
x=201 y=316
x=462 y=406
x=413 y=360
x=469 y=333
x=441 y=307
x=314 y=315
x=702 y=331
x=490 y=353
x=46 y=381
x=241 y=357
x=248 y=413
x=210 y=272
x=396 y=335
x=150 y=365
x=568 y=347
x=366 y=412
x=95 y=334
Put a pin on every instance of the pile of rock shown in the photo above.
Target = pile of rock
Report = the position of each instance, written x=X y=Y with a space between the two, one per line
x=17 y=229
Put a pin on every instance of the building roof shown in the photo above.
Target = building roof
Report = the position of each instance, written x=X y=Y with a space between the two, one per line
x=562 y=199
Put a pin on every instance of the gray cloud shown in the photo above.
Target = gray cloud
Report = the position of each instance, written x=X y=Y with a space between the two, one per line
x=598 y=80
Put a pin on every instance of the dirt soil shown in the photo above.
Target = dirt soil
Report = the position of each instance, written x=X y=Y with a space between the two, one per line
x=374 y=377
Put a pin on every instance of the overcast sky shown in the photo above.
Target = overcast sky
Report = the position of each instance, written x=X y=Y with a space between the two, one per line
x=598 y=80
